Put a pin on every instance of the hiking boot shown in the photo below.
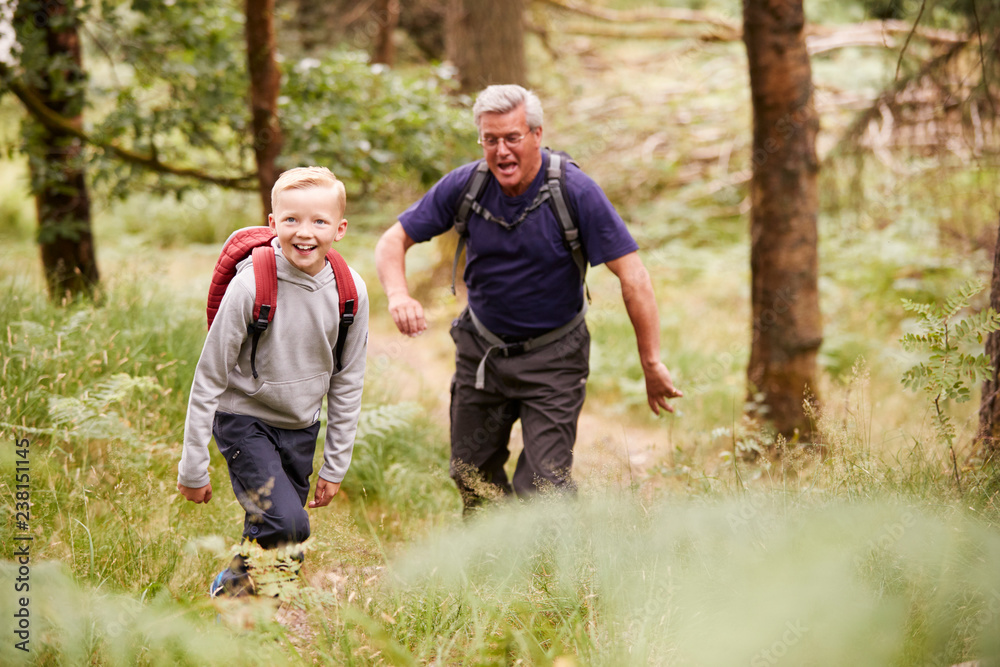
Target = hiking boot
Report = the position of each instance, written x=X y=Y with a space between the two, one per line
x=234 y=581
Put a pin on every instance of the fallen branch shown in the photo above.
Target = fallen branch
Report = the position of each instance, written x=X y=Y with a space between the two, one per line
x=932 y=35
x=648 y=32
x=641 y=15
x=866 y=33
x=62 y=125
x=888 y=98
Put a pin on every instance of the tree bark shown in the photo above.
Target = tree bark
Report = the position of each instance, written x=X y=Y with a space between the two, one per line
x=485 y=41
x=787 y=330
x=387 y=14
x=265 y=84
x=989 y=406
x=55 y=157
x=425 y=21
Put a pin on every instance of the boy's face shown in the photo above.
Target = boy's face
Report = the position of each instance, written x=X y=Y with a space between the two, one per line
x=307 y=221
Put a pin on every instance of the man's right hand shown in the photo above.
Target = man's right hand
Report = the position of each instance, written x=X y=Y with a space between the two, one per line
x=200 y=495
x=408 y=314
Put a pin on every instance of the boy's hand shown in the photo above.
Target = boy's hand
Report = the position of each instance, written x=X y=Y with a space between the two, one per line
x=199 y=495
x=325 y=491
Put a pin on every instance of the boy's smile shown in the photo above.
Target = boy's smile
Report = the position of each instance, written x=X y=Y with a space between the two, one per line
x=308 y=222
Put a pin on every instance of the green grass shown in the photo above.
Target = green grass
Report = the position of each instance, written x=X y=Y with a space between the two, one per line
x=868 y=556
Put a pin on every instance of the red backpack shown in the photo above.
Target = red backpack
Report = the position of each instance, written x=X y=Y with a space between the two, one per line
x=255 y=242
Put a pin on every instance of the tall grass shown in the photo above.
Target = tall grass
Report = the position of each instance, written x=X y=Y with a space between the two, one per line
x=74 y=625
x=758 y=580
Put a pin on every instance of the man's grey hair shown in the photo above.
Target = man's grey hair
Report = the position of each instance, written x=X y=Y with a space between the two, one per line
x=501 y=99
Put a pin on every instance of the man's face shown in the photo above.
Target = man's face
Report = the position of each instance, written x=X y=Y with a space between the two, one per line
x=514 y=166
x=307 y=221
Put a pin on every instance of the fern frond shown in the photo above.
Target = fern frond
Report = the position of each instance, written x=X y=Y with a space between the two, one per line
x=380 y=421
x=977 y=325
x=924 y=309
x=912 y=342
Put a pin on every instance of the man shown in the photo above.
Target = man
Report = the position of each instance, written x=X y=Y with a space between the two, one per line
x=522 y=345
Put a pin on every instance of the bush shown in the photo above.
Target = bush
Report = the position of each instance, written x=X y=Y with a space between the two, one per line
x=372 y=125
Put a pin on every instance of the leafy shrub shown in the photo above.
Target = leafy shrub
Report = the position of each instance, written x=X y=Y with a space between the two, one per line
x=369 y=124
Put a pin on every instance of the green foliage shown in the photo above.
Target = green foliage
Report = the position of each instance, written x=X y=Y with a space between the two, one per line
x=398 y=462
x=75 y=625
x=175 y=87
x=170 y=81
x=370 y=124
x=53 y=357
x=950 y=372
x=616 y=581
x=275 y=572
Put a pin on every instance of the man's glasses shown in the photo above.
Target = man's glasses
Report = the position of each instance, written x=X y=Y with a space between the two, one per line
x=510 y=140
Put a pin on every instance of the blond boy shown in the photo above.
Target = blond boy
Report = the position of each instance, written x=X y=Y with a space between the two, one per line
x=266 y=427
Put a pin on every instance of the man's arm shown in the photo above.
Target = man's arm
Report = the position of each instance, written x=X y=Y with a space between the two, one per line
x=640 y=302
x=390 y=263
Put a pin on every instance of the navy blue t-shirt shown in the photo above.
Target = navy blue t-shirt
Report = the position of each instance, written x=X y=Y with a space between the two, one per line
x=523 y=282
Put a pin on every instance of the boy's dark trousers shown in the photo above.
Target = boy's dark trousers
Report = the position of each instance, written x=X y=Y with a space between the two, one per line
x=269 y=468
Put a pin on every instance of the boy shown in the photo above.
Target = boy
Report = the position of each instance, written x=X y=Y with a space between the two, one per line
x=266 y=427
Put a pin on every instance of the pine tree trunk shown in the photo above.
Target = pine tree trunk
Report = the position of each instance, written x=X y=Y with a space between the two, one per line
x=265 y=84
x=989 y=407
x=56 y=159
x=787 y=330
x=485 y=41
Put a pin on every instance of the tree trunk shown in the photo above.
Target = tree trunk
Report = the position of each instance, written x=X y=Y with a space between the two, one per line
x=425 y=21
x=989 y=406
x=56 y=158
x=311 y=22
x=787 y=330
x=387 y=13
x=265 y=83
x=485 y=41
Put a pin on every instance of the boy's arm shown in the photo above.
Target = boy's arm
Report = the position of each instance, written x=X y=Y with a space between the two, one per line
x=211 y=377
x=200 y=495
x=343 y=401
x=325 y=491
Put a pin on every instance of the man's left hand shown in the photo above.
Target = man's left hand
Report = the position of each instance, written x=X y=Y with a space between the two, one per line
x=659 y=387
x=325 y=491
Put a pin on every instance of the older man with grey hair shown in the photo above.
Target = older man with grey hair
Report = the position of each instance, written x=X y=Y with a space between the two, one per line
x=522 y=344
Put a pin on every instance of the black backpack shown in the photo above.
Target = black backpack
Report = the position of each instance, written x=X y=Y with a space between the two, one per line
x=553 y=191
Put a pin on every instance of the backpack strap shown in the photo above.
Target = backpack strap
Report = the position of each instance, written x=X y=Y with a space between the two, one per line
x=347 y=292
x=554 y=190
x=265 y=275
x=466 y=201
x=555 y=178
x=236 y=248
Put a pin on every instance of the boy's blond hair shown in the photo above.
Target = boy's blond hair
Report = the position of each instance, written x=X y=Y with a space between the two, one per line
x=306 y=177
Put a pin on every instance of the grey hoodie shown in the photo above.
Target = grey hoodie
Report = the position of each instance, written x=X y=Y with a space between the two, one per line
x=295 y=367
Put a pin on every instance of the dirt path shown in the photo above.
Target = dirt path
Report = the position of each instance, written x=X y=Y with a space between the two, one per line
x=609 y=448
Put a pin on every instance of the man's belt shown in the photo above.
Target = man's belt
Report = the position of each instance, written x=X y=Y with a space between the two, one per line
x=514 y=349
